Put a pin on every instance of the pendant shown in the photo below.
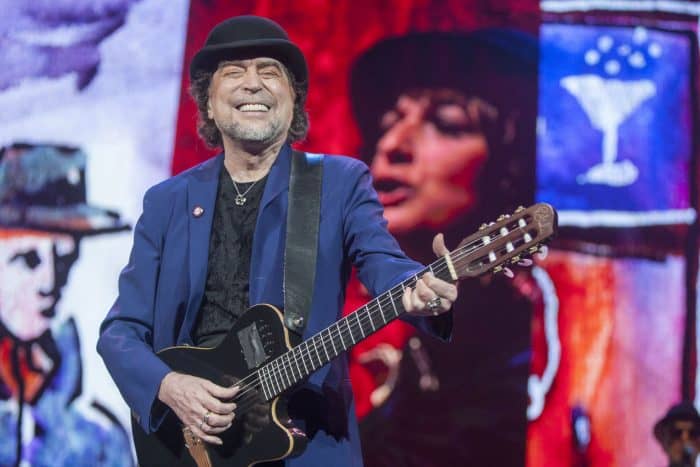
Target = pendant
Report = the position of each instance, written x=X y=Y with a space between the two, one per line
x=240 y=200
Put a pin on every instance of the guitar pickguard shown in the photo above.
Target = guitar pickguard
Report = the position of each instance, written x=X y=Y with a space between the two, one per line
x=252 y=346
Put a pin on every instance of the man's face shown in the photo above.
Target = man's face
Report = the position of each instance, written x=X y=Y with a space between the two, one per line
x=251 y=101
x=28 y=283
x=683 y=439
x=427 y=160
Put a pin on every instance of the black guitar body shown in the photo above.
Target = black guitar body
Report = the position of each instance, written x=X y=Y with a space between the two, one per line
x=258 y=336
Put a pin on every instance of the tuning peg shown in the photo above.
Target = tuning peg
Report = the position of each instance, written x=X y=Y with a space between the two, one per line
x=508 y=273
x=501 y=217
x=520 y=209
x=525 y=262
x=515 y=259
x=542 y=252
x=483 y=226
x=533 y=249
x=497 y=269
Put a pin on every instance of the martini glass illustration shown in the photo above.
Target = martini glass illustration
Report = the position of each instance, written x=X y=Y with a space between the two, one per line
x=607 y=103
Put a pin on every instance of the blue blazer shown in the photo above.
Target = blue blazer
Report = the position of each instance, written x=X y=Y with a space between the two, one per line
x=161 y=287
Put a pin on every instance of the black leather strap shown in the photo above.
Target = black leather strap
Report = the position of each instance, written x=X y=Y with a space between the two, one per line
x=301 y=248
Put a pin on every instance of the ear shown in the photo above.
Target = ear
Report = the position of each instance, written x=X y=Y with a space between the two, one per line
x=210 y=113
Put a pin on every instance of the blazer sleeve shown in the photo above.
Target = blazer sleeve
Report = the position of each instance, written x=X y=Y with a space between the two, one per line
x=375 y=253
x=125 y=341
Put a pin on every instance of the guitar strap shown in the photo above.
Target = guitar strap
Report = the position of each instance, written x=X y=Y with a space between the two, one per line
x=301 y=247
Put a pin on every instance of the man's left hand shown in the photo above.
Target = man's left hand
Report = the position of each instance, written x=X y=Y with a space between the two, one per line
x=431 y=296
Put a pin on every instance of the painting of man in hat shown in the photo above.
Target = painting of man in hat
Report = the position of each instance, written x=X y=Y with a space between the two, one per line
x=44 y=215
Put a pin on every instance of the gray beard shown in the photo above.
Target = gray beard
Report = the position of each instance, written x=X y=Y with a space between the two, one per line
x=239 y=132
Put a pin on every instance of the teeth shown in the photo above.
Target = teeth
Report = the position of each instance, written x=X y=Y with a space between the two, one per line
x=253 y=108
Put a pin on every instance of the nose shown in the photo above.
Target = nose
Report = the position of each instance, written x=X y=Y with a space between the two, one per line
x=251 y=80
x=396 y=144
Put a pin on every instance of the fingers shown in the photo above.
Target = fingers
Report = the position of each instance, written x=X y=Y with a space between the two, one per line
x=429 y=288
x=439 y=247
x=440 y=288
x=220 y=392
x=207 y=438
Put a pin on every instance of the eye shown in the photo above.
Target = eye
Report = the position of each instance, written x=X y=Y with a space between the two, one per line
x=269 y=73
x=31 y=258
x=452 y=120
x=232 y=72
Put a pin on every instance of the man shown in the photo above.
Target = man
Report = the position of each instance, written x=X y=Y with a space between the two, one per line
x=43 y=218
x=678 y=432
x=448 y=126
x=211 y=241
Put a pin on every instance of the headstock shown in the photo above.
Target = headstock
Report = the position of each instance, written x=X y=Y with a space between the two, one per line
x=506 y=241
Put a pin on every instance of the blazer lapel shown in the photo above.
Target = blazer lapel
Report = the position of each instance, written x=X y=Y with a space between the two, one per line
x=202 y=187
x=268 y=240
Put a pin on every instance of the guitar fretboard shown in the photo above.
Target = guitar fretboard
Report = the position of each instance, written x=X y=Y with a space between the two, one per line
x=288 y=369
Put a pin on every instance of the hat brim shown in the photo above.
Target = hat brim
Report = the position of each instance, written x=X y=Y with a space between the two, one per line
x=209 y=57
x=79 y=219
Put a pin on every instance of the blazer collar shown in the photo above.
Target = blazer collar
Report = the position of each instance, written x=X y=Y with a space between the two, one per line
x=278 y=178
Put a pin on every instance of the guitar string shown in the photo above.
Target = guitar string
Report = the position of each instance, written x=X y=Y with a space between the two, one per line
x=279 y=370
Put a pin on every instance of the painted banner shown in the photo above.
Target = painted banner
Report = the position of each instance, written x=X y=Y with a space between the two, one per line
x=89 y=93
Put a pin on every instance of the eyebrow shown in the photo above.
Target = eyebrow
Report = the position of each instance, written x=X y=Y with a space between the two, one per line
x=258 y=65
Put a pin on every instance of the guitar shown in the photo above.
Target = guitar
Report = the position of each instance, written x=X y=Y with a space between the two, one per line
x=257 y=355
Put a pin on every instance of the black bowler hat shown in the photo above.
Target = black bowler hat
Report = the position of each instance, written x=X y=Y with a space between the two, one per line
x=42 y=187
x=249 y=36
x=684 y=411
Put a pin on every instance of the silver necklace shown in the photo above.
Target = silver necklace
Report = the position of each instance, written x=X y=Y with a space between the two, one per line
x=240 y=197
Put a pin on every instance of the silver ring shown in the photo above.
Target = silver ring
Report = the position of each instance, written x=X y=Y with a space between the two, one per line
x=206 y=417
x=434 y=304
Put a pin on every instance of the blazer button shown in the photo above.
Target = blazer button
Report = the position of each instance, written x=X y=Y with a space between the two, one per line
x=198 y=211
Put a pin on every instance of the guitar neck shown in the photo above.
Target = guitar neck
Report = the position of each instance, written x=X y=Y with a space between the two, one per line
x=495 y=244
x=293 y=366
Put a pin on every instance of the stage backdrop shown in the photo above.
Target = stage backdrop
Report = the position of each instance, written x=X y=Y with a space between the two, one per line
x=462 y=110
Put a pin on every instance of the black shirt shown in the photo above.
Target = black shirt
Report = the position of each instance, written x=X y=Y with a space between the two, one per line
x=230 y=246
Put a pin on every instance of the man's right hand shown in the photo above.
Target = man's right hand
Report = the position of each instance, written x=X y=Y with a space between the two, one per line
x=198 y=403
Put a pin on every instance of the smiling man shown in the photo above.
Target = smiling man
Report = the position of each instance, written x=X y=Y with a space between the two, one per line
x=211 y=241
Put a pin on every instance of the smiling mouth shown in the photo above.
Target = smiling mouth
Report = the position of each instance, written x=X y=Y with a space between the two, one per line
x=392 y=192
x=253 y=108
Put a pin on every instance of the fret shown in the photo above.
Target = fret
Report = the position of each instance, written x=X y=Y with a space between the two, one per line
x=318 y=357
x=303 y=359
x=280 y=369
x=275 y=389
x=296 y=360
x=310 y=354
x=359 y=324
x=261 y=378
x=374 y=328
x=382 y=311
x=393 y=304
x=289 y=367
x=279 y=373
x=323 y=345
x=352 y=338
x=340 y=334
x=330 y=335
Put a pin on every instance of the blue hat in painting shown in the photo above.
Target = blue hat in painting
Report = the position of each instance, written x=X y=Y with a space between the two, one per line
x=42 y=187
